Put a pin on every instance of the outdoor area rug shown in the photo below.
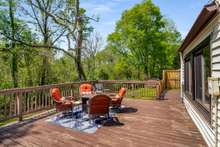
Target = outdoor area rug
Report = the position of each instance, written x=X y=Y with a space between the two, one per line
x=79 y=121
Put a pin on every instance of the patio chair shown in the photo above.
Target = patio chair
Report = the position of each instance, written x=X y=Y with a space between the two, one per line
x=116 y=100
x=99 y=88
x=99 y=106
x=62 y=103
x=85 y=89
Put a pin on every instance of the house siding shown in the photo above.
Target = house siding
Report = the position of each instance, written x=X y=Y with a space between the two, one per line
x=181 y=75
x=215 y=50
x=211 y=133
x=215 y=66
x=203 y=126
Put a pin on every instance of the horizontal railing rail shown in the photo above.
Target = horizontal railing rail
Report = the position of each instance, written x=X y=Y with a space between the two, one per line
x=20 y=101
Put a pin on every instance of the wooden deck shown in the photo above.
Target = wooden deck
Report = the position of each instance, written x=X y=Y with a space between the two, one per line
x=162 y=123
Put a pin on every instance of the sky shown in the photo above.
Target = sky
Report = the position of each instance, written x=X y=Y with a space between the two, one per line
x=182 y=12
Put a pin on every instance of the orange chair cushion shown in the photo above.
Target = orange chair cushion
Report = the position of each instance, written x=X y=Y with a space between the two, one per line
x=86 y=89
x=122 y=92
x=55 y=93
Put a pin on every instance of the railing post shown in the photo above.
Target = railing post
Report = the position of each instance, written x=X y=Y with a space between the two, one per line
x=164 y=79
x=133 y=95
x=19 y=106
x=158 y=91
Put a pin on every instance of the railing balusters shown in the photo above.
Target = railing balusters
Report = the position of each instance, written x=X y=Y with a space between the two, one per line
x=16 y=102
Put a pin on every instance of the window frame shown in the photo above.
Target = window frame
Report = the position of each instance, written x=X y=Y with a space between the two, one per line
x=191 y=95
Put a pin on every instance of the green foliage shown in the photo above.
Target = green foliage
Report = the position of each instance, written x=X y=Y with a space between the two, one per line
x=144 y=43
x=64 y=69
x=142 y=93
x=147 y=37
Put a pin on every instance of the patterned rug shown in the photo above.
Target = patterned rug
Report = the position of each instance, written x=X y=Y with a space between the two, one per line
x=79 y=120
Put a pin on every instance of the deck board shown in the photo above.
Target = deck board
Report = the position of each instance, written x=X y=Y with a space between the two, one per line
x=162 y=123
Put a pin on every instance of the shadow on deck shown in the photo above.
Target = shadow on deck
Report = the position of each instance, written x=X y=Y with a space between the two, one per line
x=146 y=123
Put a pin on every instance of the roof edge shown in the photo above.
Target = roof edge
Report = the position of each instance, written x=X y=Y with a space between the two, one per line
x=208 y=12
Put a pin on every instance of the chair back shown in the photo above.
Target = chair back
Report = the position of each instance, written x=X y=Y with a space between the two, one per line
x=99 y=87
x=122 y=92
x=55 y=94
x=99 y=105
x=85 y=89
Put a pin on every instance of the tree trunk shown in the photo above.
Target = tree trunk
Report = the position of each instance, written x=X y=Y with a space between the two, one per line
x=81 y=74
x=14 y=64
x=146 y=72
x=45 y=63
x=44 y=71
x=138 y=73
x=80 y=71
x=14 y=70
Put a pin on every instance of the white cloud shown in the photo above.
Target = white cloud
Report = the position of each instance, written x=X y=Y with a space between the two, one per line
x=101 y=8
x=95 y=8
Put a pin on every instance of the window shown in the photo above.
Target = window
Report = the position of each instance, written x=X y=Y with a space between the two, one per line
x=202 y=72
x=188 y=76
x=197 y=69
x=207 y=73
x=198 y=77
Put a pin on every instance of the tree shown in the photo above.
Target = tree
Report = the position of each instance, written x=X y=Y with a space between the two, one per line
x=73 y=20
x=92 y=45
x=8 y=25
x=44 y=24
x=145 y=35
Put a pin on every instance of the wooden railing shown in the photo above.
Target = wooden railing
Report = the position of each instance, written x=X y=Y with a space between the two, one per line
x=20 y=101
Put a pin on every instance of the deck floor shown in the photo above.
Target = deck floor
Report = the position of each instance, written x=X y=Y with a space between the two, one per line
x=162 y=123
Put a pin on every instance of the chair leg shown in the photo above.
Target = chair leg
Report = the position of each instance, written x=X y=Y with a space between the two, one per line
x=91 y=120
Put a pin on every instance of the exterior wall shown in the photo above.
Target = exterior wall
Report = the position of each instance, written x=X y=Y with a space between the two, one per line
x=215 y=55
x=211 y=133
x=215 y=50
x=181 y=75
x=203 y=126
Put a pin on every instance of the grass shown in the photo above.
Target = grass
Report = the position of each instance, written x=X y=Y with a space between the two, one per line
x=8 y=121
x=142 y=93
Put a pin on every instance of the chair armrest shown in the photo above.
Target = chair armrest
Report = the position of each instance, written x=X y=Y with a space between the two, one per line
x=112 y=94
x=78 y=102
x=70 y=98
x=115 y=97
x=59 y=102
